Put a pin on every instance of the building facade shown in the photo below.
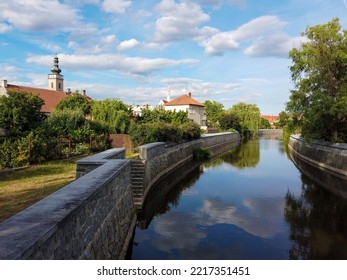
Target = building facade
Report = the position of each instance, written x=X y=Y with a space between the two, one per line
x=195 y=109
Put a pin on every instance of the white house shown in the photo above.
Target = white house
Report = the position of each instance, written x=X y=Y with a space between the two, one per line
x=195 y=109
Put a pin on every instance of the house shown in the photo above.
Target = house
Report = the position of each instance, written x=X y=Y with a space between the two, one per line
x=195 y=109
x=51 y=96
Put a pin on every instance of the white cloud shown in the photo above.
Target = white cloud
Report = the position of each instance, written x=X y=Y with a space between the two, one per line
x=221 y=42
x=115 y=6
x=218 y=3
x=178 y=21
x=38 y=15
x=4 y=27
x=51 y=47
x=126 y=65
x=277 y=45
x=128 y=44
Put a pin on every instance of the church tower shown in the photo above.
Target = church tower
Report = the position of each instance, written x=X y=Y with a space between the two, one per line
x=55 y=80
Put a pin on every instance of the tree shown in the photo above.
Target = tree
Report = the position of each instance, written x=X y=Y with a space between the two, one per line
x=249 y=115
x=319 y=73
x=264 y=124
x=75 y=101
x=228 y=121
x=214 y=111
x=159 y=114
x=112 y=113
x=20 y=112
x=64 y=123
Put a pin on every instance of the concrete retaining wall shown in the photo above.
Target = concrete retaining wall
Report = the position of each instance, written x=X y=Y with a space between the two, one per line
x=94 y=216
x=270 y=133
x=332 y=157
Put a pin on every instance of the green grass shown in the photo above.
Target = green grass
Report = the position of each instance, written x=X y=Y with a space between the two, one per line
x=22 y=188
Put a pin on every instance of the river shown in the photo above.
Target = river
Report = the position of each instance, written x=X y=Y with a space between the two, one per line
x=252 y=202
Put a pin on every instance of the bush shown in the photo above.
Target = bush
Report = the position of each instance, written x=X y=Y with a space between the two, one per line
x=201 y=154
x=164 y=132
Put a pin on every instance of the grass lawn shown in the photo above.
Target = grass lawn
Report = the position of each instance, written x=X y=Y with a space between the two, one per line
x=22 y=188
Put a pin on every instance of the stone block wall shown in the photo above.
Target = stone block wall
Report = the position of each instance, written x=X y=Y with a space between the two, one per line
x=332 y=157
x=91 y=218
x=270 y=133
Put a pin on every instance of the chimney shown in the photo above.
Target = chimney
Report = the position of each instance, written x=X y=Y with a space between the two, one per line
x=189 y=94
x=84 y=92
x=4 y=83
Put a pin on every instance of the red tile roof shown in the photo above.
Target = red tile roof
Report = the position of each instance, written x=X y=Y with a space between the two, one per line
x=184 y=100
x=271 y=119
x=50 y=97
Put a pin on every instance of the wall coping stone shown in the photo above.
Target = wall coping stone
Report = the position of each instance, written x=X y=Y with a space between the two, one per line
x=340 y=146
x=102 y=157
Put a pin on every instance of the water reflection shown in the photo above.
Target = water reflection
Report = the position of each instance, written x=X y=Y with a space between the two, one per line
x=317 y=218
x=242 y=206
x=244 y=156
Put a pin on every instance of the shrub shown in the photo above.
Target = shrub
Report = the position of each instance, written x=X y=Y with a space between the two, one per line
x=201 y=154
x=164 y=132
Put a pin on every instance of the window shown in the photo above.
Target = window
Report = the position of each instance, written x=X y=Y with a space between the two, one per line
x=52 y=85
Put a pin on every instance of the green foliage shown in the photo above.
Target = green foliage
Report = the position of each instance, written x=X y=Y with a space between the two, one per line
x=264 y=124
x=214 y=111
x=112 y=114
x=230 y=120
x=249 y=115
x=67 y=123
x=159 y=114
x=75 y=101
x=20 y=112
x=144 y=133
x=201 y=154
x=319 y=73
x=284 y=120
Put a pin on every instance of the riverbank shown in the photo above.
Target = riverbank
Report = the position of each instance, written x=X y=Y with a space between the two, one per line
x=332 y=157
x=94 y=216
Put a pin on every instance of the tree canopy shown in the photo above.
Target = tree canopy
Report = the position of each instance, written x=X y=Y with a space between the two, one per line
x=319 y=73
x=112 y=113
x=249 y=115
x=20 y=112
x=214 y=111
x=75 y=101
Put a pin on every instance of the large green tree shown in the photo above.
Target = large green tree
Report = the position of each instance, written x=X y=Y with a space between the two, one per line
x=20 y=112
x=319 y=73
x=249 y=115
x=75 y=101
x=214 y=111
x=112 y=113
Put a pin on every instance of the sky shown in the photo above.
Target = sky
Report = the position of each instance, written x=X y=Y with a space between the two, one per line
x=228 y=51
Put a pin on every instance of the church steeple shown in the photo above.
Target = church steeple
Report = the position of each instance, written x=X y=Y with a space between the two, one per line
x=55 y=79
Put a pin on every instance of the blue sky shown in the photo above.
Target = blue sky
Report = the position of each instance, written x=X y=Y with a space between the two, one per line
x=229 y=51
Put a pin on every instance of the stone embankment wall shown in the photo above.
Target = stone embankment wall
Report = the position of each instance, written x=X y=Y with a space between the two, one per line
x=94 y=216
x=270 y=133
x=91 y=218
x=159 y=159
x=332 y=157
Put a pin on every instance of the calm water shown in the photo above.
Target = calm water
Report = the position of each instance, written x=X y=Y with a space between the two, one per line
x=250 y=203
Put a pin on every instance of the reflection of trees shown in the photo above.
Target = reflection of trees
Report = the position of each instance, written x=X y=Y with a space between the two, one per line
x=318 y=224
x=246 y=155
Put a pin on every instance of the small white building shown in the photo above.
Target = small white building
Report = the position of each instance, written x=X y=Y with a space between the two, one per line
x=195 y=109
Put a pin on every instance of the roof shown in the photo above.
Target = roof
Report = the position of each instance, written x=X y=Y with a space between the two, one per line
x=184 y=100
x=271 y=119
x=50 y=97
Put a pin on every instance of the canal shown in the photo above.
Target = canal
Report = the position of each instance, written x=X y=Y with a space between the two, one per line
x=252 y=202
